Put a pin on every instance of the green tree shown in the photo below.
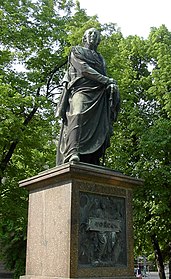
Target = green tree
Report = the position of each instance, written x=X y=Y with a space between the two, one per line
x=34 y=48
x=32 y=37
x=142 y=139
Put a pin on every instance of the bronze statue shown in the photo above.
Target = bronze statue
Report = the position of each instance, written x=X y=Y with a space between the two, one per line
x=88 y=105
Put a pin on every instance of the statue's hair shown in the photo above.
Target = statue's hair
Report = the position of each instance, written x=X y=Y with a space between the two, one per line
x=84 y=40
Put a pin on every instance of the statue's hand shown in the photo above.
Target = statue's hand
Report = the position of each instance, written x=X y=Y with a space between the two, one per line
x=112 y=87
x=65 y=84
x=111 y=81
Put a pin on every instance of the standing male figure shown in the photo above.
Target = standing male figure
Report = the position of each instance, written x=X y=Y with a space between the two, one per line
x=88 y=106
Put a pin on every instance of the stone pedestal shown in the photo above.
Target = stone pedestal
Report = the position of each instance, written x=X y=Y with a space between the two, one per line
x=80 y=223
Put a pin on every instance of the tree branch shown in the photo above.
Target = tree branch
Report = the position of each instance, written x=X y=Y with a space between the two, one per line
x=51 y=74
x=13 y=145
x=27 y=120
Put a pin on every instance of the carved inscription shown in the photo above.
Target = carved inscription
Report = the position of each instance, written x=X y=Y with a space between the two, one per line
x=102 y=231
x=99 y=224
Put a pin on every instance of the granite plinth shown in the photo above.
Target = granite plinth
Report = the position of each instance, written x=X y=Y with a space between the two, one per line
x=58 y=245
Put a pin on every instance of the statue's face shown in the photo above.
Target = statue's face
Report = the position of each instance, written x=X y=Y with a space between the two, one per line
x=92 y=37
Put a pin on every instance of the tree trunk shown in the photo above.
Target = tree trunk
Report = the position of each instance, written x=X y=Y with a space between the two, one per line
x=158 y=257
x=170 y=260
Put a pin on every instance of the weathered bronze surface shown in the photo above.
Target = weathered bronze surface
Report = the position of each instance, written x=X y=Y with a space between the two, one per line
x=88 y=105
x=102 y=230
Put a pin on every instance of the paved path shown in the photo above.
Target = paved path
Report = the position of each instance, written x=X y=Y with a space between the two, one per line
x=154 y=275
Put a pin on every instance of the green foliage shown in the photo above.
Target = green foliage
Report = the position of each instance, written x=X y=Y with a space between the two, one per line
x=36 y=37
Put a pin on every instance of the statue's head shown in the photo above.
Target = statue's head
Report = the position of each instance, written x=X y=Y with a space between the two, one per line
x=91 y=37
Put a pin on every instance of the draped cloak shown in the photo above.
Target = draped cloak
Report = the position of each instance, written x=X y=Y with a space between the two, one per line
x=87 y=125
